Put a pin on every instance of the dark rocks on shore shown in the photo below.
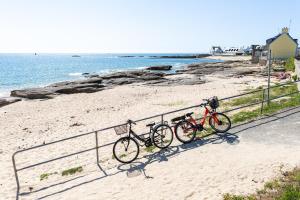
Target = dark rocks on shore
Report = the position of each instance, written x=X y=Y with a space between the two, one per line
x=228 y=68
x=9 y=100
x=160 y=68
x=93 y=83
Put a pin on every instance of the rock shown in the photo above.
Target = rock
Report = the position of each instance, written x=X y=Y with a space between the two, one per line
x=9 y=100
x=33 y=93
x=120 y=81
x=80 y=88
x=160 y=67
x=94 y=83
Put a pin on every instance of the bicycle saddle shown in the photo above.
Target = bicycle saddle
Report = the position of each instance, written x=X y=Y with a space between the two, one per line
x=178 y=118
x=130 y=122
x=189 y=114
x=151 y=124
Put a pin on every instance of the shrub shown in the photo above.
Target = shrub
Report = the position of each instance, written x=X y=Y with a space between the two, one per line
x=72 y=171
x=290 y=64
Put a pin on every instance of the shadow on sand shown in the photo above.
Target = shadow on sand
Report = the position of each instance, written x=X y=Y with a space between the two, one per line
x=138 y=167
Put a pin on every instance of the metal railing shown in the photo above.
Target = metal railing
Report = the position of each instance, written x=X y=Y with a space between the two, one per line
x=162 y=115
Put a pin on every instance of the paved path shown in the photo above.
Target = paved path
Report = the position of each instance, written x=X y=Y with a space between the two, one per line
x=281 y=128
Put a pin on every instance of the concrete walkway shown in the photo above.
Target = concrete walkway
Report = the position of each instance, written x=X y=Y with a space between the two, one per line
x=281 y=128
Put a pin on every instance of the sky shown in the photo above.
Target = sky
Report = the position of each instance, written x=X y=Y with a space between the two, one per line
x=141 y=26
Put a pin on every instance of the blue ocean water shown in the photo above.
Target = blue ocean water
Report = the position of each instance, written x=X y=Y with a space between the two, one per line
x=28 y=70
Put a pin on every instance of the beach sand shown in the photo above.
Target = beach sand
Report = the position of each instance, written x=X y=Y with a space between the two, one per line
x=198 y=173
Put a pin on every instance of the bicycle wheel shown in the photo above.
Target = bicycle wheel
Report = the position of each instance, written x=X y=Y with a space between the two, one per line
x=162 y=136
x=126 y=150
x=185 y=131
x=219 y=122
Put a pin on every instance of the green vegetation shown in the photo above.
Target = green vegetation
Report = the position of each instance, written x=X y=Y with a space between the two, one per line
x=46 y=175
x=285 y=188
x=274 y=106
x=237 y=197
x=72 y=171
x=295 y=77
x=172 y=104
x=290 y=64
x=150 y=149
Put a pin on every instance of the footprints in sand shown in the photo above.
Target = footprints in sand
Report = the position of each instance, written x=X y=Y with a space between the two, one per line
x=189 y=196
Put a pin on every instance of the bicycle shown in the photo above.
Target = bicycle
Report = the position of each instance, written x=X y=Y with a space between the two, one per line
x=126 y=149
x=186 y=129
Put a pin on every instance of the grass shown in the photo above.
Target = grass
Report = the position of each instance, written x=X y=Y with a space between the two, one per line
x=237 y=197
x=150 y=149
x=46 y=175
x=72 y=171
x=172 y=104
x=274 y=106
x=285 y=188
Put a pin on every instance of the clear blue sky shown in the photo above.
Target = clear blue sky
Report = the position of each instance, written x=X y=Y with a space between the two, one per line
x=111 y=26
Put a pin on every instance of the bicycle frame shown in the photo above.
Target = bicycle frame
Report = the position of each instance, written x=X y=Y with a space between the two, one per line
x=202 y=121
x=137 y=136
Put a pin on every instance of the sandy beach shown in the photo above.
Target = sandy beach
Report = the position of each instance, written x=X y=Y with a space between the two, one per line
x=193 y=174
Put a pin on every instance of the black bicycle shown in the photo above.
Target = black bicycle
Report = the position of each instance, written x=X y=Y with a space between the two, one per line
x=126 y=149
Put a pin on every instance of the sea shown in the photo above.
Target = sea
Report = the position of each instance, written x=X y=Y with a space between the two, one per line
x=19 y=71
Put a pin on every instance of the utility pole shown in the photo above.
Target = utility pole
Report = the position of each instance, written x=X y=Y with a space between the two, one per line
x=269 y=76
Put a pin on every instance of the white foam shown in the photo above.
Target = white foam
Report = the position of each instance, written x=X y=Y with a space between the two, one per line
x=75 y=74
x=4 y=94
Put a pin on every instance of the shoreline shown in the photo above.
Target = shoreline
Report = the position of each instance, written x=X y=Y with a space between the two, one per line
x=5 y=93
x=148 y=75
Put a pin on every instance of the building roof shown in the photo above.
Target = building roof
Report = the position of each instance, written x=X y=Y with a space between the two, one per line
x=270 y=40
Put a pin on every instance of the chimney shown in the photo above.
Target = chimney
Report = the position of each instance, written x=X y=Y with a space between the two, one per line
x=285 y=30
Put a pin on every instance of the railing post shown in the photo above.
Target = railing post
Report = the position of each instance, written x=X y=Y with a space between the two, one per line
x=269 y=75
x=262 y=102
x=97 y=147
x=97 y=153
x=16 y=176
x=162 y=119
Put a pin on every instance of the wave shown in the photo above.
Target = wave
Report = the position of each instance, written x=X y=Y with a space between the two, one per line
x=75 y=74
x=4 y=94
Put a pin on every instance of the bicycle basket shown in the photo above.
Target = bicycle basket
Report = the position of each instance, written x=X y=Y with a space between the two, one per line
x=214 y=102
x=121 y=129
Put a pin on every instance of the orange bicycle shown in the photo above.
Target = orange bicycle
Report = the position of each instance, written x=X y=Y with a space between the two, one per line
x=186 y=126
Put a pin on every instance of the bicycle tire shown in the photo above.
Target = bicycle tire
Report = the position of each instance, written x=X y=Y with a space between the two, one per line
x=157 y=139
x=179 y=125
x=213 y=126
x=120 y=157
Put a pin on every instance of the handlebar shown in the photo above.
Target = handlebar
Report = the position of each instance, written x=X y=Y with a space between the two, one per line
x=203 y=104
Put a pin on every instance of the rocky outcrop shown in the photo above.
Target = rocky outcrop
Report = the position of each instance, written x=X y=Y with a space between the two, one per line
x=92 y=83
x=192 y=74
x=160 y=68
x=228 y=68
x=7 y=101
